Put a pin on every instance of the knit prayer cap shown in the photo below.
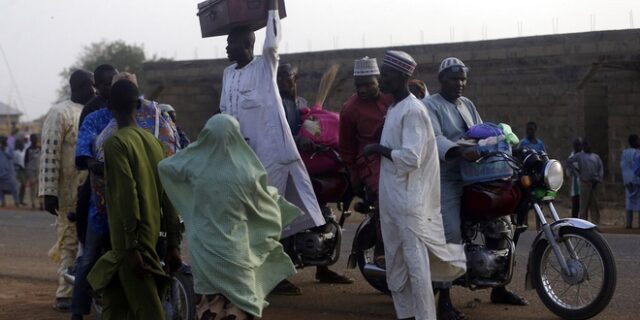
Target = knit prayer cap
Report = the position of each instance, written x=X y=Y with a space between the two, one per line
x=401 y=61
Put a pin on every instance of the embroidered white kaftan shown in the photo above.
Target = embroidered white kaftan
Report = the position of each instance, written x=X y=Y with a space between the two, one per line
x=251 y=95
x=416 y=251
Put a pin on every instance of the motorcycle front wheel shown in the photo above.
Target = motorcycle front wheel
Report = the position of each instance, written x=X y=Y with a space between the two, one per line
x=590 y=287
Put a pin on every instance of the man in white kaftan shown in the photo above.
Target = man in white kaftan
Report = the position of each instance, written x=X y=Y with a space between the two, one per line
x=415 y=246
x=250 y=94
x=59 y=179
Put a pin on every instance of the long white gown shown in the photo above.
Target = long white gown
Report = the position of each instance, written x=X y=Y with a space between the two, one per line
x=416 y=250
x=251 y=96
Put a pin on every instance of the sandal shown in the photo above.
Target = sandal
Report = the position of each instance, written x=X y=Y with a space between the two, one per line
x=328 y=276
x=504 y=296
x=286 y=288
x=449 y=312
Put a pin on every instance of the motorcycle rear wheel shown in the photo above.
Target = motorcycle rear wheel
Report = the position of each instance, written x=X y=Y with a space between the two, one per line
x=364 y=257
x=587 y=292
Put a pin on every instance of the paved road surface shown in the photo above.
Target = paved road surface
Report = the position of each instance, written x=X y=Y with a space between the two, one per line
x=27 y=282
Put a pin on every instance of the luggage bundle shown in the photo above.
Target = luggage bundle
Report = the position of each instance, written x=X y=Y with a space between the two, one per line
x=219 y=17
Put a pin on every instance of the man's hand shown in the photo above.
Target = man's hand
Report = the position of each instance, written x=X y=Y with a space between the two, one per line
x=51 y=204
x=371 y=149
x=305 y=144
x=273 y=4
x=173 y=259
x=95 y=167
x=138 y=266
x=357 y=187
x=375 y=148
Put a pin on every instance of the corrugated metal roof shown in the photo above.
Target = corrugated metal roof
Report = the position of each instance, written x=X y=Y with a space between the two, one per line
x=5 y=110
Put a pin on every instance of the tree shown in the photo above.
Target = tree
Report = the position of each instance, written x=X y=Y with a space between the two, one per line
x=124 y=57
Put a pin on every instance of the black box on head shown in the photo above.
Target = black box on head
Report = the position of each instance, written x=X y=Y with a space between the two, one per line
x=219 y=17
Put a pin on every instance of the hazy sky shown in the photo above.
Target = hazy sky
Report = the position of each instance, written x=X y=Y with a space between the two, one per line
x=42 y=37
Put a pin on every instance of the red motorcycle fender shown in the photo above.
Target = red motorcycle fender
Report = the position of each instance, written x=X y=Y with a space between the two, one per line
x=541 y=239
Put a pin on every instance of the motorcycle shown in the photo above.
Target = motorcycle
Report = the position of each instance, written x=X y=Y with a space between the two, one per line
x=570 y=264
x=320 y=246
x=179 y=302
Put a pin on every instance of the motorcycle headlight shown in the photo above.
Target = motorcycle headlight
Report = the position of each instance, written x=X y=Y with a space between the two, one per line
x=553 y=175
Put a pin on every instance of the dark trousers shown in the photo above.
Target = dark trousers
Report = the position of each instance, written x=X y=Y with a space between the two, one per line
x=82 y=209
x=589 y=201
x=575 y=206
x=93 y=248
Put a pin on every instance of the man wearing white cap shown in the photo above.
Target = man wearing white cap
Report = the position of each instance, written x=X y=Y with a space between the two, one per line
x=452 y=115
x=415 y=246
x=361 y=121
x=171 y=112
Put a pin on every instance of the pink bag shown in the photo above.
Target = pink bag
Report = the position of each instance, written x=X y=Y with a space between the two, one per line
x=321 y=126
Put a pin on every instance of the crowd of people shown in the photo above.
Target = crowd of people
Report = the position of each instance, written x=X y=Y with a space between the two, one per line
x=19 y=167
x=586 y=173
x=118 y=173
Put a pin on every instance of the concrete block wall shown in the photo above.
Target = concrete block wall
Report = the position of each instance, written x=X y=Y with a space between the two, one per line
x=511 y=80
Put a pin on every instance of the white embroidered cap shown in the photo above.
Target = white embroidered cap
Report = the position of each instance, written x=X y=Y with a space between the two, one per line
x=366 y=67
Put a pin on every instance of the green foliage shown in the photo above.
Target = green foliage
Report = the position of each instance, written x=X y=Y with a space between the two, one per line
x=123 y=56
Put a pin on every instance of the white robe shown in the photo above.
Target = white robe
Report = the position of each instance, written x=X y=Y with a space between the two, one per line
x=251 y=96
x=415 y=246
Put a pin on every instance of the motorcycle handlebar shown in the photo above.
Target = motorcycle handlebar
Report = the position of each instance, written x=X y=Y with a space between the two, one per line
x=513 y=162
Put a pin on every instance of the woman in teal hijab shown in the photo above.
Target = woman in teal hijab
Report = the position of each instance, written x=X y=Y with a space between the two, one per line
x=233 y=221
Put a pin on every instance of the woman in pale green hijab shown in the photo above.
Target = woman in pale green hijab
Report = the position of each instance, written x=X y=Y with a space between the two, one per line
x=233 y=221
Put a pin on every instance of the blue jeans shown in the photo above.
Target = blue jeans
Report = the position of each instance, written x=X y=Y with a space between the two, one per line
x=94 y=245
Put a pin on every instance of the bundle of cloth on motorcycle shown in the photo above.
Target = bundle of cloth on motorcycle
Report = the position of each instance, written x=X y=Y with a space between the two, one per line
x=486 y=138
x=233 y=220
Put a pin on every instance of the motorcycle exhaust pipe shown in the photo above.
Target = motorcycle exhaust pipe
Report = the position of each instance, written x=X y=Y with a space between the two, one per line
x=373 y=271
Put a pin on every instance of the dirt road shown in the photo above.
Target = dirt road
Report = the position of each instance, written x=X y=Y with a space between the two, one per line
x=27 y=282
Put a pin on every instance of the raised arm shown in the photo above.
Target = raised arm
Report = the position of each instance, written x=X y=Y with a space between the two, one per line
x=273 y=5
x=273 y=37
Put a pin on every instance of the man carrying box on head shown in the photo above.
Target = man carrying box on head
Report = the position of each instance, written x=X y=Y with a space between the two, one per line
x=250 y=94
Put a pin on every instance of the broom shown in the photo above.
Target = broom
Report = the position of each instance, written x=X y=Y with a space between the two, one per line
x=311 y=124
x=325 y=85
